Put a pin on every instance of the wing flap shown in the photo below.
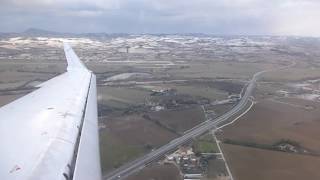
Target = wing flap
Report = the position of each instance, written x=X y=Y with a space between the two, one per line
x=88 y=159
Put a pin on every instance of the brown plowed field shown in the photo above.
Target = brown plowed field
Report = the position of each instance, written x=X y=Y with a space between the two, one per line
x=268 y=122
x=257 y=164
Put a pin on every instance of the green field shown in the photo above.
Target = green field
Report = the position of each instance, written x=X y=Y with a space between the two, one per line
x=121 y=97
x=115 y=153
x=201 y=91
x=205 y=144
x=236 y=70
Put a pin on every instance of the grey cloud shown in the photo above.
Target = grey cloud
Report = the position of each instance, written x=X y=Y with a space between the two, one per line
x=248 y=17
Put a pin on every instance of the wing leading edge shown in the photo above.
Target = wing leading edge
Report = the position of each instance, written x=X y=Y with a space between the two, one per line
x=52 y=133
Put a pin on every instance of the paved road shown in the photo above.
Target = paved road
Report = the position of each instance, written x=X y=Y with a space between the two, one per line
x=141 y=162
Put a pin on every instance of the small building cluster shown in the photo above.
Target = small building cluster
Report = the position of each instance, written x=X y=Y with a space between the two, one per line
x=190 y=165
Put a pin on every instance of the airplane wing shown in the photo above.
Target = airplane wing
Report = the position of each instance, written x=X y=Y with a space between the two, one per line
x=52 y=133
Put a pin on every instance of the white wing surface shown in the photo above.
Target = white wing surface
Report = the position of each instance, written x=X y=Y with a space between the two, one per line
x=52 y=133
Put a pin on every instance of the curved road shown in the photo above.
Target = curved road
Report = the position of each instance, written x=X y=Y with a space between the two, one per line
x=139 y=163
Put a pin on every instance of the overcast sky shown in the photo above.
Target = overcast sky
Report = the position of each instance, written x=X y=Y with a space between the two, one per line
x=222 y=17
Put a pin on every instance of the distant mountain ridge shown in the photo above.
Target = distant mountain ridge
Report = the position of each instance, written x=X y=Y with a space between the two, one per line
x=35 y=31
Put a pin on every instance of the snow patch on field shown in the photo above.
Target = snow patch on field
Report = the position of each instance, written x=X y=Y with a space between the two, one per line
x=125 y=76
x=53 y=42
